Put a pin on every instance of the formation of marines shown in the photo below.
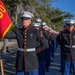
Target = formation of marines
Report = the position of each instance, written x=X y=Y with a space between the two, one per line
x=37 y=43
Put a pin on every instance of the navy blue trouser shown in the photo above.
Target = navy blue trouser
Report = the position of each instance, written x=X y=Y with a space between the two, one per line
x=33 y=72
x=62 y=62
x=47 y=58
x=54 y=47
x=66 y=68
x=41 y=68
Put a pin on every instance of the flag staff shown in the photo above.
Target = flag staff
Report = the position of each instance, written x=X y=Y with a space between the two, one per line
x=1 y=62
x=5 y=24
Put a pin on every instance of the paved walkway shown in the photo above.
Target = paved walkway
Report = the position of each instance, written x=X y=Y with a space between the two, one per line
x=9 y=62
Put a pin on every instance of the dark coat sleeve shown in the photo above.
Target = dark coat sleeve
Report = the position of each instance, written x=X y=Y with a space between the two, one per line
x=10 y=35
x=44 y=43
x=46 y=35
x=42 y=40
x=59 y=39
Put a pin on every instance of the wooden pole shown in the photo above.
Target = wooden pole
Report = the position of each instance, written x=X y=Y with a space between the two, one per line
x=1 y=63
x=1 y=67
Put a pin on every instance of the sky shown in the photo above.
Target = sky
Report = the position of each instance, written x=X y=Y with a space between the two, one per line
x=65 y=5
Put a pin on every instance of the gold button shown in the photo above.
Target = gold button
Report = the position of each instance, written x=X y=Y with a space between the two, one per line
x=25 y=40
x=25 y=43
x=25 y=36
x=25 y=30
x=24 y=46
x=25 y=33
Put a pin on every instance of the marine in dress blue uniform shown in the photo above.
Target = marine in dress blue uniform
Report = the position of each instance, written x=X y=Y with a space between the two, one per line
x=61 y=48
x=40 y=53
x=67 y=42
x=27 y=36
x=46 y=53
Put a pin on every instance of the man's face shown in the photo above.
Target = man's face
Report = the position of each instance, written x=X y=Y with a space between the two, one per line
x=43 y=27
x=25 y=22
x=70 y=28
x=37 y=28
x=46 y=28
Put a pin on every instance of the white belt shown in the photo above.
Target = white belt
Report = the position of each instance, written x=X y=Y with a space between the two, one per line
x=69 y=46
x=73 y=46
x=27 y=50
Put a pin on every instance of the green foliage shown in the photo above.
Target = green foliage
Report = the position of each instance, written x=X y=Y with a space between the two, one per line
x=40 y=8
x=13 y=27
x=10 y=4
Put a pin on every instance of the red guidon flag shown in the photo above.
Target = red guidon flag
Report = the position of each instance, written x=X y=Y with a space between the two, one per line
x=5 y=21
